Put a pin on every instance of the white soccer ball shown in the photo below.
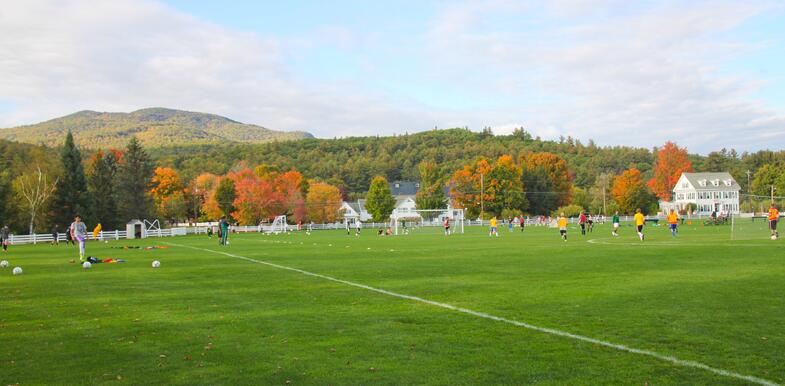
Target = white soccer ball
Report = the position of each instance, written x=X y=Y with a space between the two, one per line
x=4 y=264
x=87 y=265
x=17 y=271
x=773 y=237
x=156 y=264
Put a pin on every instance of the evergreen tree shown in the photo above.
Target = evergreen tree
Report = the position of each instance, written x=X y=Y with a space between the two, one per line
x=133 y=183
x=225 y=195
x=101 y=183
x=72 y=196
x=380 y=202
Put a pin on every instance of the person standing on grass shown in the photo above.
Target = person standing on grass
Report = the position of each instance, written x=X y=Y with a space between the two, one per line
x=640 y=220
x=446 y=226
x=509 y=224
x=358 y=226
x=348 y=232
x=5 y=235
x=522 y=223
x=79 y=235
x=223 y=228
x=582 y=223
x=590 y=221
x=55 y=235
x=673 y=221
x=616 y=224
x=494 y=231
x=774 y=216
x=562 y=222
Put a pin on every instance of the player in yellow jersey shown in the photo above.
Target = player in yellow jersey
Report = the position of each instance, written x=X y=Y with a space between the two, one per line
x=639 y=221
x=673 y=220
x=494 y=231
x=562 y=222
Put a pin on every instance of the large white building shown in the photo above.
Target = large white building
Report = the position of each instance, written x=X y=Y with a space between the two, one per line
x=710 y=192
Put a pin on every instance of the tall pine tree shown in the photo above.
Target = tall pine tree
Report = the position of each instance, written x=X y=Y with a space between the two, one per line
x=72 y=196
x=134 y=177
x=101 y=183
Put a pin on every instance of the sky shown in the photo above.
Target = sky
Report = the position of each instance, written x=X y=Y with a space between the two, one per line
x=707 y=75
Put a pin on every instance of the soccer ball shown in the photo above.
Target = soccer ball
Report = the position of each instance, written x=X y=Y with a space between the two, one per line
x=773 y=237
x=156 y=264
x=17 y=271
x=87 y=265
x=4 y=264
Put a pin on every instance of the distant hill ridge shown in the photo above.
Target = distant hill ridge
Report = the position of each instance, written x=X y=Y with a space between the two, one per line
x=155 y=127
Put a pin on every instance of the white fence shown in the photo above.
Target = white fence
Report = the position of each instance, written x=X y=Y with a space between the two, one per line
x=103 y=235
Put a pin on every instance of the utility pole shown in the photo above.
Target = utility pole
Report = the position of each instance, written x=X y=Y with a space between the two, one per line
x=604 y=188
x=749 y=196
x=772 y=194
x=482 y=195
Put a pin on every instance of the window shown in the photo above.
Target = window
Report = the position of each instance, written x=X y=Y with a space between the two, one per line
x=728 y=182
x=702 y=182
x=715 y=182
x=685 y=185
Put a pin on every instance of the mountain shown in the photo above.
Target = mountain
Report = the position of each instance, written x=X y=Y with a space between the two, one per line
x=155 y=127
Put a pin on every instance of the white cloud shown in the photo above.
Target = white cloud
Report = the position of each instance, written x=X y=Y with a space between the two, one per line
x=639 y=78
x=60 y=57
x=597 y=69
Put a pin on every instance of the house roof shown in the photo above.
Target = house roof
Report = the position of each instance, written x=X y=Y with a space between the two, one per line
x=695 y=180
x=404 y=188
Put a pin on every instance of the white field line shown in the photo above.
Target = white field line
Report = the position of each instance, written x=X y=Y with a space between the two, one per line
x=546 y=330
x=671 y=243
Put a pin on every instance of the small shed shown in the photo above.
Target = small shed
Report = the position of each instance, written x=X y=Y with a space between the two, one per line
x=135 y=229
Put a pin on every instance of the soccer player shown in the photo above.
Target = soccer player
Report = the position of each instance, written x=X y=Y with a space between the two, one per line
x=522 y=222
x=673 y=220
x=493 y=227
x=79 y=234
x=774 y=216
x=55 y=241
x=590 y=221
x=639 y=221
x=5 y=234
x=582 y=223
x=358 y=226
x=446 y=226
x=223 y=228
x=616 y=224
x=510 y=224
x=563 y=227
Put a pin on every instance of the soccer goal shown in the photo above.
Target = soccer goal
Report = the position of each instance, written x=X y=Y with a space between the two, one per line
x=279 y=225
x=414 y=220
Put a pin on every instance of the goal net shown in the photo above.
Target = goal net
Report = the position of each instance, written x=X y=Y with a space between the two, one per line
x=431 y=220
x=279 y=225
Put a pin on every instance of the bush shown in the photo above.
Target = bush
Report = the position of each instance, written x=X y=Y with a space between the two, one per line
x=510 y=213
x=569 y=210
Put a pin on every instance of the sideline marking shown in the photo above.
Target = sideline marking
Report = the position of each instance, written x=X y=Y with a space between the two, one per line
x=551 y=331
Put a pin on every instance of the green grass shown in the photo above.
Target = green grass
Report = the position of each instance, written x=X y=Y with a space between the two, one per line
x=207 y=318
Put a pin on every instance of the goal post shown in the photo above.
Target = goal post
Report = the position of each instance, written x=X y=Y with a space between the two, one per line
x=279 y=225
x=413 y=220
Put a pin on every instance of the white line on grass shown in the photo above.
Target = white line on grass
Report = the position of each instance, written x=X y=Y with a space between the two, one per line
x=663 y=357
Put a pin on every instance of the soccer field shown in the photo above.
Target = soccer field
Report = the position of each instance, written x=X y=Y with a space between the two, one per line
x=328 y=309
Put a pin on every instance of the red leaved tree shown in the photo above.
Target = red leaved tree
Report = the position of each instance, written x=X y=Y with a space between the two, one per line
x=672 y=161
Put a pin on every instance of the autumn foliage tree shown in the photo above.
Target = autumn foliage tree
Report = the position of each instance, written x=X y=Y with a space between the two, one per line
x=467 y=186
x=293 y=187
x=548 y=181
x=323 y=202
x=504 y=188
x=630 y=192
x=672 y=161
x=255 y=199
x=168 y=194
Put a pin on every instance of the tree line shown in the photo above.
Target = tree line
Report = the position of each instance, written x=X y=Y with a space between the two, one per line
x=42 y=187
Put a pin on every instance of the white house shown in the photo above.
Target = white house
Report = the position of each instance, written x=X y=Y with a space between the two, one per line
x=353 y=211
x=710 y=192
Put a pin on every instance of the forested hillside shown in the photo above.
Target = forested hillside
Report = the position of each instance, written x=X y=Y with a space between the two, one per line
x=352 y=162
x=154 y=127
